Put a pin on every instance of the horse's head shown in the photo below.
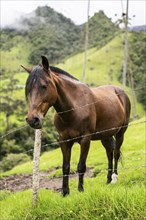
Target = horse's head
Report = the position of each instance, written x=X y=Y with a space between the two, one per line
x=40 y=93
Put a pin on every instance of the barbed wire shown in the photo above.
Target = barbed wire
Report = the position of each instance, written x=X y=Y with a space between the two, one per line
x=13 y=130
x=73 y=173
x=103 y=170
x=86 y=135
x=69 y=110
x=70 y=175
x=90 y=134
x=121 y=158
x=99 y=99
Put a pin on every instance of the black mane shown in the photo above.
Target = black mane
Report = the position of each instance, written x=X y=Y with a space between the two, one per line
x=37 y=74
x=60 y=71
x=33 y=78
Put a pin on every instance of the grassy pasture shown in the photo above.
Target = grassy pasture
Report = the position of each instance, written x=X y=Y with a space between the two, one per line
x=119 y=201
x=124 y=200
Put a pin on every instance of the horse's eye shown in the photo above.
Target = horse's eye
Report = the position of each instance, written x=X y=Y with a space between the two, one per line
x=44 y=87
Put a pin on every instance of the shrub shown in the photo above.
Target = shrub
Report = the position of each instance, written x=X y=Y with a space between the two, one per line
x=12 y=160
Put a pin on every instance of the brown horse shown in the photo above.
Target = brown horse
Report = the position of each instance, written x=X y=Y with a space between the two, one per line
x=82 y=114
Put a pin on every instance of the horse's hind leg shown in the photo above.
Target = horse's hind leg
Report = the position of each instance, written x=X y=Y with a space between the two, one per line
x=109 y=144
x=119 y=140
x=85 y=144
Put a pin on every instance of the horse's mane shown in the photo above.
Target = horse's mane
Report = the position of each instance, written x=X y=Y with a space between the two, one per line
x=38 y=74
x=60 y=71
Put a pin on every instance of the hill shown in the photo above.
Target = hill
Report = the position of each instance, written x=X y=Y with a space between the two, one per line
x=138 y=28
x=101 y=30
x=104 y=66
x=52 y=34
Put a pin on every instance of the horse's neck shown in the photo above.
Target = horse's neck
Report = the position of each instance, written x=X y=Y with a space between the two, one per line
x=67 y=90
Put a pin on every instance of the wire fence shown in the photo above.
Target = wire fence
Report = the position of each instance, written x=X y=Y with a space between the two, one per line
x=66 y=111
x=15 y=184
x=78 y=137
x=94 y=133
x=14 y=130
x=25 y=180
x=100 y=170
x=75 y=139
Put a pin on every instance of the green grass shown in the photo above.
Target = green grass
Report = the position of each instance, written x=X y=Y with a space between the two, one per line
x=17 y=55
x=124 y=200
x=120 y=201
x=99 y=63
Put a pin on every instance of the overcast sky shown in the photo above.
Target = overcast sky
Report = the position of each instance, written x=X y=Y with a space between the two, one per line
x=76 y=10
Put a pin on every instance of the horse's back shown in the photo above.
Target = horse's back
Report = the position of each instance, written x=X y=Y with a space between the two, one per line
x=112 y=107
x=109 y=93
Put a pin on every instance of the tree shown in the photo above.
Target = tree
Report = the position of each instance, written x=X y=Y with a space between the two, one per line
x=137 y=58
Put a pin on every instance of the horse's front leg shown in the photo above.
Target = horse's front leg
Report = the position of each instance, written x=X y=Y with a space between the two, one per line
x=66 y=152
x=85 y=144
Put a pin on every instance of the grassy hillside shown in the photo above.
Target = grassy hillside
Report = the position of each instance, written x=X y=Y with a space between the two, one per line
x=125 y=200
x=99 y=64
x=17 y=53
x=103 y=66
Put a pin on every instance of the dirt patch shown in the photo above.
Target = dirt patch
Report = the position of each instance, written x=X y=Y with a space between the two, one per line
x=16 y=183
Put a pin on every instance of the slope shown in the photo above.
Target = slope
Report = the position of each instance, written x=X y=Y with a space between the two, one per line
x=126 y=199
x=103 y=65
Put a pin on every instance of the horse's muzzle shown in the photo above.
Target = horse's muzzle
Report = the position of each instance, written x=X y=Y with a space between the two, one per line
x=35 y=122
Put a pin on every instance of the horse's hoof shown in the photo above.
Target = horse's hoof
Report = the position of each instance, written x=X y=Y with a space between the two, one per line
x=80 y=189
x=65 y=192
x=114 y=178
x=108 y=181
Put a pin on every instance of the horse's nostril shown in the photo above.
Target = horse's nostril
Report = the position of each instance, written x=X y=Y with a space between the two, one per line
x=26 y=119
x=36 y=120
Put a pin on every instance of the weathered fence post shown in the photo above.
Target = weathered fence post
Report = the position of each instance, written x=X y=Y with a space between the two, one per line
x=36 y=164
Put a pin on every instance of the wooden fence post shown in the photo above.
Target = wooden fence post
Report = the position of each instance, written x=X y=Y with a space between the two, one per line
x=36 y=164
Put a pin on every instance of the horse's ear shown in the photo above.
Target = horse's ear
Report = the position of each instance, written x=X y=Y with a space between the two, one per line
x=27 y=69
x=45 y=63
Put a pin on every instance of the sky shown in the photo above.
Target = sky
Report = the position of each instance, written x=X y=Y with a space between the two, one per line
x=76 y=10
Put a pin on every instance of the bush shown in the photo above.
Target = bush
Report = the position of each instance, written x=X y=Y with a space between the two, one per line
x=12 y=160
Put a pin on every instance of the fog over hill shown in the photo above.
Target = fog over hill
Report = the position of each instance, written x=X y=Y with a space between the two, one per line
x=50 y=32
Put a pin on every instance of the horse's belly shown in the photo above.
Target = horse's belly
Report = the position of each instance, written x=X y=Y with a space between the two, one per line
x=108 y=132
x=110 y=119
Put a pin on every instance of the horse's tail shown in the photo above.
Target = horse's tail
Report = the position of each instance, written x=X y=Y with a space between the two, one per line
x=125 y=102
x=124 y=99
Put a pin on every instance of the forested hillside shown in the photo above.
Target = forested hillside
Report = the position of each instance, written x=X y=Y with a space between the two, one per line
x=52 y=34
x=49 y=33
x=137 y=64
